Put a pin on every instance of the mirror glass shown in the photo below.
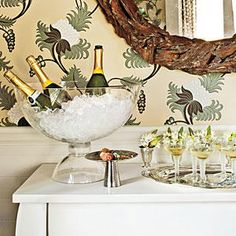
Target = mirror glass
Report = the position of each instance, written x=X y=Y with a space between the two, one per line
x=205 y=19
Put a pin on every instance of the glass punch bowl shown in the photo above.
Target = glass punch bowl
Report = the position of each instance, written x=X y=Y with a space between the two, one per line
x=89 y=114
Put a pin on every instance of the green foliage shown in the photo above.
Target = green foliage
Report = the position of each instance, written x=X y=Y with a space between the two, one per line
x=132 y=121
x=41 y=37
x=232 y=137
x=212 y=112
x=6 y=22
x=10 y=3
x=133 y=60
x=76 y=76
x=131 y=80
x=172 y=98
x=79 y=50
x=212 y=82
x=80 y=19
x=7 y=97
x=209 y=133
x=5 y=122
x=4 y=65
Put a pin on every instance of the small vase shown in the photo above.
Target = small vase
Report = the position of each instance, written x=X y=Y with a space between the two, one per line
x=146 y=154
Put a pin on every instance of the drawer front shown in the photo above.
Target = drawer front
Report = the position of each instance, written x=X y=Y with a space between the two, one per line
x=193 y=219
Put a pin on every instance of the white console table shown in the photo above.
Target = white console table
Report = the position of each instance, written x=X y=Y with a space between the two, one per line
x=139 y=207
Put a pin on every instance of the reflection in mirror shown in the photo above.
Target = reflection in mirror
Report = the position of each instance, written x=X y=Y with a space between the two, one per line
x=153 y=11
x=206 y=19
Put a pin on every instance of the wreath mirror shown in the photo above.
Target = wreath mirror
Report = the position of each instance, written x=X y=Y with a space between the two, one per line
x=195 y=36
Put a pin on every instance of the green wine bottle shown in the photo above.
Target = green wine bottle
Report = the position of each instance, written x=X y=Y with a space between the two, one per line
x=98 y=78
x=34 y=97
x=51 y=89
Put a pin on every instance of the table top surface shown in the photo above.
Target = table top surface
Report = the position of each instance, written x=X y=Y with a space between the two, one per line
x=40 y=188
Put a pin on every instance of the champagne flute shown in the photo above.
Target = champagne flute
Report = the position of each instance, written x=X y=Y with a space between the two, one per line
x=202 y=151
x=175 y=144
x=193 y=177
x=176 y=152
x=219 y=143
x=230 y=151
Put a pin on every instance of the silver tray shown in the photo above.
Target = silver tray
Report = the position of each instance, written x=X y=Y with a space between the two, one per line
x=166 y=174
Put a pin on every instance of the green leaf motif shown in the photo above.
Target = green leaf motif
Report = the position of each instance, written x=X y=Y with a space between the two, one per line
x=79 y=50
x=76 y=76
x=7 y=97
x=212 y=82
x=172 y=98
x=5 y=122
x=210 y=113
x=132 y=121
x=80 y=19
x=131 y=80
x=4 y=65
x=133 y=60
x=6 y=22
x=41 y=37
x=10 y=3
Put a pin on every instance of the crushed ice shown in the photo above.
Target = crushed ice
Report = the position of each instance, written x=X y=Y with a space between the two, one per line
x=86 y=118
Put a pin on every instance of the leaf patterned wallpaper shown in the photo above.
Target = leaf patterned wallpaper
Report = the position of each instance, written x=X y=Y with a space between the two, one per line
x=62 y=34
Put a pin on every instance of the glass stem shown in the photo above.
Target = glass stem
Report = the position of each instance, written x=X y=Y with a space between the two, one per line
x=223 y=163
x=194 y=165
x=233 y=163
x=79 y=149
x=176 y=163
x=202 y=164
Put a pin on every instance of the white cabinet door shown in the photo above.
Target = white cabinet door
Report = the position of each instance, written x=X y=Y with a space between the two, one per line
x=167 y=219
x=31 y=220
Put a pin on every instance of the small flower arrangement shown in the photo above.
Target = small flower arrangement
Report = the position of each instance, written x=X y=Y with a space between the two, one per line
x=150 y=140
x=106 y=154
x=202 y=136
x=174 y=138
x=228 y=139
x=231 y=137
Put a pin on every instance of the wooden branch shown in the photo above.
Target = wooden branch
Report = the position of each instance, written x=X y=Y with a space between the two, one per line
x=157 y=46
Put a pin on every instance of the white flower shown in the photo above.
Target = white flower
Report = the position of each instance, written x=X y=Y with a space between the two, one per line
x=15 y=114
x=203 y=138
x=67 y=31
x=150 y=140
x=174 y=138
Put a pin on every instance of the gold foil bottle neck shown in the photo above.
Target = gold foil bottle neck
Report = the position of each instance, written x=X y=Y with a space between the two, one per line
x=98 y=60
x=43 y=78
x=14 y=79
x=31 y=60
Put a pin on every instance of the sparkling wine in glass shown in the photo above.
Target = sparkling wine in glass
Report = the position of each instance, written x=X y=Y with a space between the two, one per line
x=176 y=154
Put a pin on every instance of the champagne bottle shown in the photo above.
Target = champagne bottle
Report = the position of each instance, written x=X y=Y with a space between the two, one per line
x=34 y=97
x=56 y=95
x=98 y=78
